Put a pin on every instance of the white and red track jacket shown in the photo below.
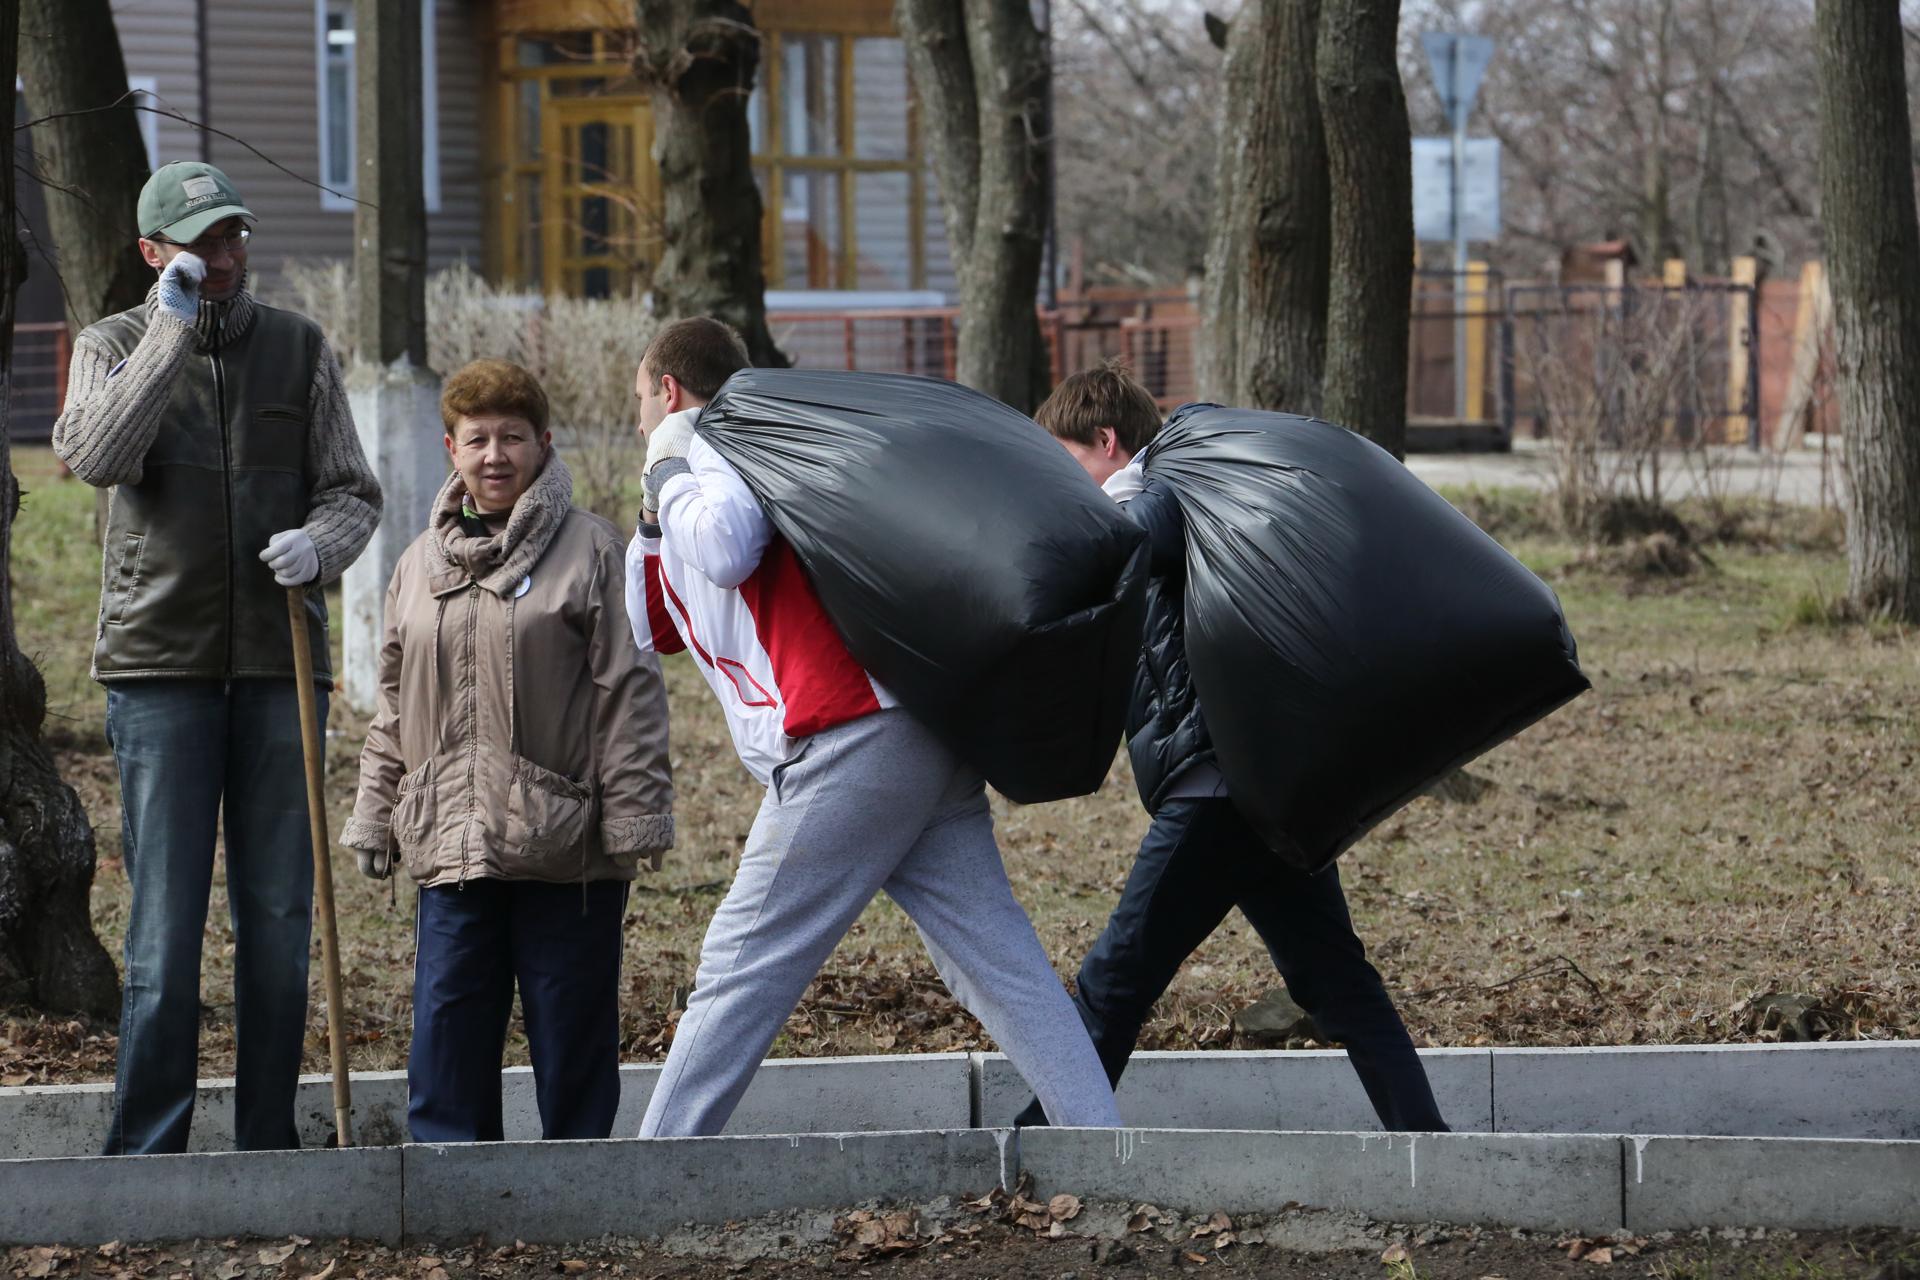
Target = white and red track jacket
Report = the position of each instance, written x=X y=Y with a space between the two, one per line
x=719 y=581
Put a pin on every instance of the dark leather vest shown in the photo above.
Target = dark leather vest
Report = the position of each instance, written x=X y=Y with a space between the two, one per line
x=184 y=591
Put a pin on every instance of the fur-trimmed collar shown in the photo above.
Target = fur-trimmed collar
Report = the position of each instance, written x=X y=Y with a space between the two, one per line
x=500 y=562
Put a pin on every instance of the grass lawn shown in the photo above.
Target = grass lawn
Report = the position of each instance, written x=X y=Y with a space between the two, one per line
x=1727 y=815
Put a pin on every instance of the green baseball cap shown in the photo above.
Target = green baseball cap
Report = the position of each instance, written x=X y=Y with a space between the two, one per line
x=181 y=200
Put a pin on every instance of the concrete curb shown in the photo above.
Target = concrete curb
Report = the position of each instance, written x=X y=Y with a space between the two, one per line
x=555 y=1191
x=1545 y=1182
x=1857 y=1089
x=1844 y=1090
x=257 y=1193
x=558 y=1191
x=1792 y=1136
x=1673 y=1184
x=789 y=1095
x=1235 y=1089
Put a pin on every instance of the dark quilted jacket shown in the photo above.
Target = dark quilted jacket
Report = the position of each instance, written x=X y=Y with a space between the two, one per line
x=1166 y=731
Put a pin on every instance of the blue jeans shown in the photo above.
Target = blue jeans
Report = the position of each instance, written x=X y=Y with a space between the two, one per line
x=1198 y=861
x=561 y=944
x=190 y=751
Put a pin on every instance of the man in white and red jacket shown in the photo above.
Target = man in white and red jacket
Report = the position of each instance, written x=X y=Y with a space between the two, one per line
x=861 y=796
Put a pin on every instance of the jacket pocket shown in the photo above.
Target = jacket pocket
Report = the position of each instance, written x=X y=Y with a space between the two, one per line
x=413 y=812
x=126 y=577
x=546 y=811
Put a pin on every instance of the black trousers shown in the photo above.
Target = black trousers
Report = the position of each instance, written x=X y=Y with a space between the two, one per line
x=1198 y=861
x=562 y=947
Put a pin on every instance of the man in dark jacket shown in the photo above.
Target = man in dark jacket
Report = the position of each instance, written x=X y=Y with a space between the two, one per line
x=1200 y=858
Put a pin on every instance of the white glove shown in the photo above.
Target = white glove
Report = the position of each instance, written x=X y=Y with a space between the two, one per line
x=180 y=287
x=291 y=556
x=671 y=439
x=375 y=866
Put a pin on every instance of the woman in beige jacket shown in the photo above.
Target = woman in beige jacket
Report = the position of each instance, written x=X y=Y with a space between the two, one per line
x=517 y=768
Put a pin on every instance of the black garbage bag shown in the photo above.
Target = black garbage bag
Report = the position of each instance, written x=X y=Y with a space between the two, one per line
x=1352 y=637
x=968 y=563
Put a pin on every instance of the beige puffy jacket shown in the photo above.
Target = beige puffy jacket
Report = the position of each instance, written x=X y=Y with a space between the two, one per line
x=521 y=734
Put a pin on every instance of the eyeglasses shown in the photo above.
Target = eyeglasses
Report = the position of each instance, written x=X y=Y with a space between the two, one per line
x=205 y=245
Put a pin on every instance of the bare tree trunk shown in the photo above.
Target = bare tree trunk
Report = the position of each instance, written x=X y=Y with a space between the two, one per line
x=1363 y=111
x=1712 y=240
x=981 y=70
x=1656 y=218
x=48 y=953
x=1230 y=223
x=1873 y=253
x=1283 y=300
x=699 y=58
x=91 y=159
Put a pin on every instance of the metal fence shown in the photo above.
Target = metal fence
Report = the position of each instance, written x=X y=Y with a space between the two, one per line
x=1675 y=362
x=40 y=356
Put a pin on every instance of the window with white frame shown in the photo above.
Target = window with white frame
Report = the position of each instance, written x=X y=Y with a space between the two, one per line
x=333 y=25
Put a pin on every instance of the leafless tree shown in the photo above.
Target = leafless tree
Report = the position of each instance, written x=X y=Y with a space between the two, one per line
x=1135 y=87
x=980 y=71
x=1873 y=253
x=1369 y=170
x=88 y=152
x=699 y=57
x=48 y=952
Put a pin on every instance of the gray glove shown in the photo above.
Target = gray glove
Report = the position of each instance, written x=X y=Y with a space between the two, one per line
x=292 y=557
x=180 y=287
x=375 y=866
x=656 y=479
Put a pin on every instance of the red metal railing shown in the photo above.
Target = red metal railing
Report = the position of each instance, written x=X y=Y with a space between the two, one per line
x=41 y=353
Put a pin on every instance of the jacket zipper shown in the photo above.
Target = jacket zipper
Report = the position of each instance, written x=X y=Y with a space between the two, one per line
x=226 y=473
x=473 y=726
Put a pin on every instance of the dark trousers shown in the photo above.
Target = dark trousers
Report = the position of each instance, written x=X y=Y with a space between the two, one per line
x=475 y=942
x=193 y=753
x=1199 y=860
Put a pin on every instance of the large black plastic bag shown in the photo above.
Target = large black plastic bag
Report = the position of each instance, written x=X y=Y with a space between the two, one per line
x=968 y=562
x=1351 y=636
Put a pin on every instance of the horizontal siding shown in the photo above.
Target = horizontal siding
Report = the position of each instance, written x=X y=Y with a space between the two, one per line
x=266 y=91
x=160 y=39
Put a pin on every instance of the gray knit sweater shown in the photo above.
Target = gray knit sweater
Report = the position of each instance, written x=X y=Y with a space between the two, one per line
x=112 y=416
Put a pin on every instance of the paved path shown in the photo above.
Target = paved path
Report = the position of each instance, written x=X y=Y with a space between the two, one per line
x=1799 y=477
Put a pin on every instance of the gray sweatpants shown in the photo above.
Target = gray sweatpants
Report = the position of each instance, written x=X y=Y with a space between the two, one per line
x=877 y=803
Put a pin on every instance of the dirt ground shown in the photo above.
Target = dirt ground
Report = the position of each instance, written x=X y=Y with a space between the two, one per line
x=979 y=1240
x=1714 y=845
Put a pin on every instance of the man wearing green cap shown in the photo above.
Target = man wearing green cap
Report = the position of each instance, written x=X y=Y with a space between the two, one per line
x=222 y=427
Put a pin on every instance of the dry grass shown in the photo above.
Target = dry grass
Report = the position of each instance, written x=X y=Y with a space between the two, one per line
x=1728 y=814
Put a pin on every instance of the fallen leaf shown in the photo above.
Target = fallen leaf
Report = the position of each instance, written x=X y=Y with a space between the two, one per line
x=274 y=1257
x=573 y=1266
x=1191 y=1256
x=328 y=1271
x=1139 y=1222
x=1603 y=1256
x=1057 y=1231
x=438 y=1273
x=1064 y=1207
x=1394 y=1253
x=15 y=1081
x=231 y=1269
x=1220 y=1222
x=1222 y=1240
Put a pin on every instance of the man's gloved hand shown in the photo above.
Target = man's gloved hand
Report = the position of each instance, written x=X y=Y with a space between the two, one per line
x=375 y=866
x=671 y=439
x=292 y=557
x=655 y=480
x=180 y=287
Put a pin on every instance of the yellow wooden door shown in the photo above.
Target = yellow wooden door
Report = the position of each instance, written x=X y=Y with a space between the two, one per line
x=600 y=202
